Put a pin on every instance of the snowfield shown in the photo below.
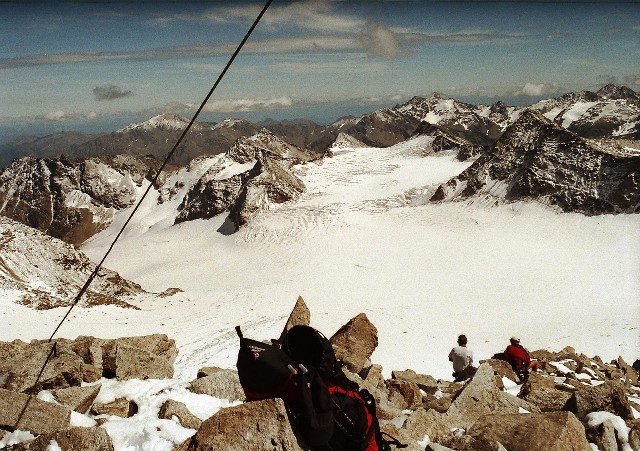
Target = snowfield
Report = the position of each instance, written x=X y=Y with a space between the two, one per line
x=363 y=238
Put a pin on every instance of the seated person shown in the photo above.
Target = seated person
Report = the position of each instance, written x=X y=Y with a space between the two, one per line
x=462 y=359
x=519 y=358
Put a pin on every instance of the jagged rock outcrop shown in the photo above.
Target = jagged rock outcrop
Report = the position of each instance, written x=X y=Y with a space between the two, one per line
x=123 y=358
x=254 y=425
x=536 y=159
x=355 y=342
x=268 y=183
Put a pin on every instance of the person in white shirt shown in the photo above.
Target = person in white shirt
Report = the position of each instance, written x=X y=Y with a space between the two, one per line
x=462 y=359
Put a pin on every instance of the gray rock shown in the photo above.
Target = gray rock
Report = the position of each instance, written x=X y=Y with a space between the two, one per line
x=121 y=407
x=409 y=391
x=608 y=397
x=75 y=439
x=423 y=381
x=171 y=408
x=136 y=363
x=553 y=431
x=259 y=425
x=480 y=396
x=77 y=398
x=20 y=411
x=604 y=436
x=64 y=369
x=423 y=422
x=355 y=342
x=300 y=316
x=220 y=384
x=548 y=399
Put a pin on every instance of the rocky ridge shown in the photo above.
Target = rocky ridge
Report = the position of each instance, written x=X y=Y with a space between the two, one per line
x=537 y=159
x=54 y=281
x=574 y=402
x=73 y=201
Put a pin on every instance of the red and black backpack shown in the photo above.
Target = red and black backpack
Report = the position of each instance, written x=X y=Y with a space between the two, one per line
x=329 y=411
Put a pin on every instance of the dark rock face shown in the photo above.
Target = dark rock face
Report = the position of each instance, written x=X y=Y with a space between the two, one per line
x=536 y=159
x=70 y=201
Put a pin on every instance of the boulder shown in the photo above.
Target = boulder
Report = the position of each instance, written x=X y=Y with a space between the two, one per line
x=373 y=376
x=121 y=407
x=138 y=363
x=20 y=411
x=170 y=409
x=300 y=316
x=75 y=438
x=604 y=436
x=64 y=369
x=501 y=368
x=355 y=342
x=79 y=399
x=607 y=397
x=553 y=431
x=258 y=425
x=480 y=396
x=207 y=370
x=409 y=391
x=468 y=443
x=548 y=399
x=541 y=392
x=630 y=374
x=423 y=422
x=441 y=404
x=220 y=384
x=423 y=381
x=90 y=351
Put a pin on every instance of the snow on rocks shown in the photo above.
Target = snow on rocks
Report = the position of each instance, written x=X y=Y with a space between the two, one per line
x=168 y=414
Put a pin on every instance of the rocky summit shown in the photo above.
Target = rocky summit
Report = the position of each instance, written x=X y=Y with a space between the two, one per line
x=574 y=402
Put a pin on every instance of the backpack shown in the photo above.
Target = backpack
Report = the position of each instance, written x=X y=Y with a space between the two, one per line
x=356 y=426
x=326 y=409
x=264 y=370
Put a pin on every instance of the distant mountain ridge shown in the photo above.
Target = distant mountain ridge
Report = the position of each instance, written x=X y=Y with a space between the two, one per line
x=540 y=155
x=613 y=112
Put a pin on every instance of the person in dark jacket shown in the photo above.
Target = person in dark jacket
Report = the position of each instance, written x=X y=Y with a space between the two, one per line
x=519 y=358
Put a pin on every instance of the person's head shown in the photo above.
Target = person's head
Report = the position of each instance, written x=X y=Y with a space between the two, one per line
x=515 y=340
x=462 y=340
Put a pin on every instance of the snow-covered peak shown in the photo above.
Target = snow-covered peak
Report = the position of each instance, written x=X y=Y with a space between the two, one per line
x=162 y=122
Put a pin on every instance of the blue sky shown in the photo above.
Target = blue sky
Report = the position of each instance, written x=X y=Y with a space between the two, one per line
x=99 y=66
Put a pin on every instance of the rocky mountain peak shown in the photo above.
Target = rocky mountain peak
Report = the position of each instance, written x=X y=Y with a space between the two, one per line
x=613 y=92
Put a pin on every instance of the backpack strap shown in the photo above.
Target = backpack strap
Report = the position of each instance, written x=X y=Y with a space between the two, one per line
x=239 y=332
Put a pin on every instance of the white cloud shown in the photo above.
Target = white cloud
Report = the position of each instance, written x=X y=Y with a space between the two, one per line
x=535 y=90
x=379 y=40
x=56 y=115
x=317 y=15
x=244 y=105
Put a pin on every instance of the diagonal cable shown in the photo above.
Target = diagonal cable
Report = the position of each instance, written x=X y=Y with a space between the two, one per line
x=164 y=163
